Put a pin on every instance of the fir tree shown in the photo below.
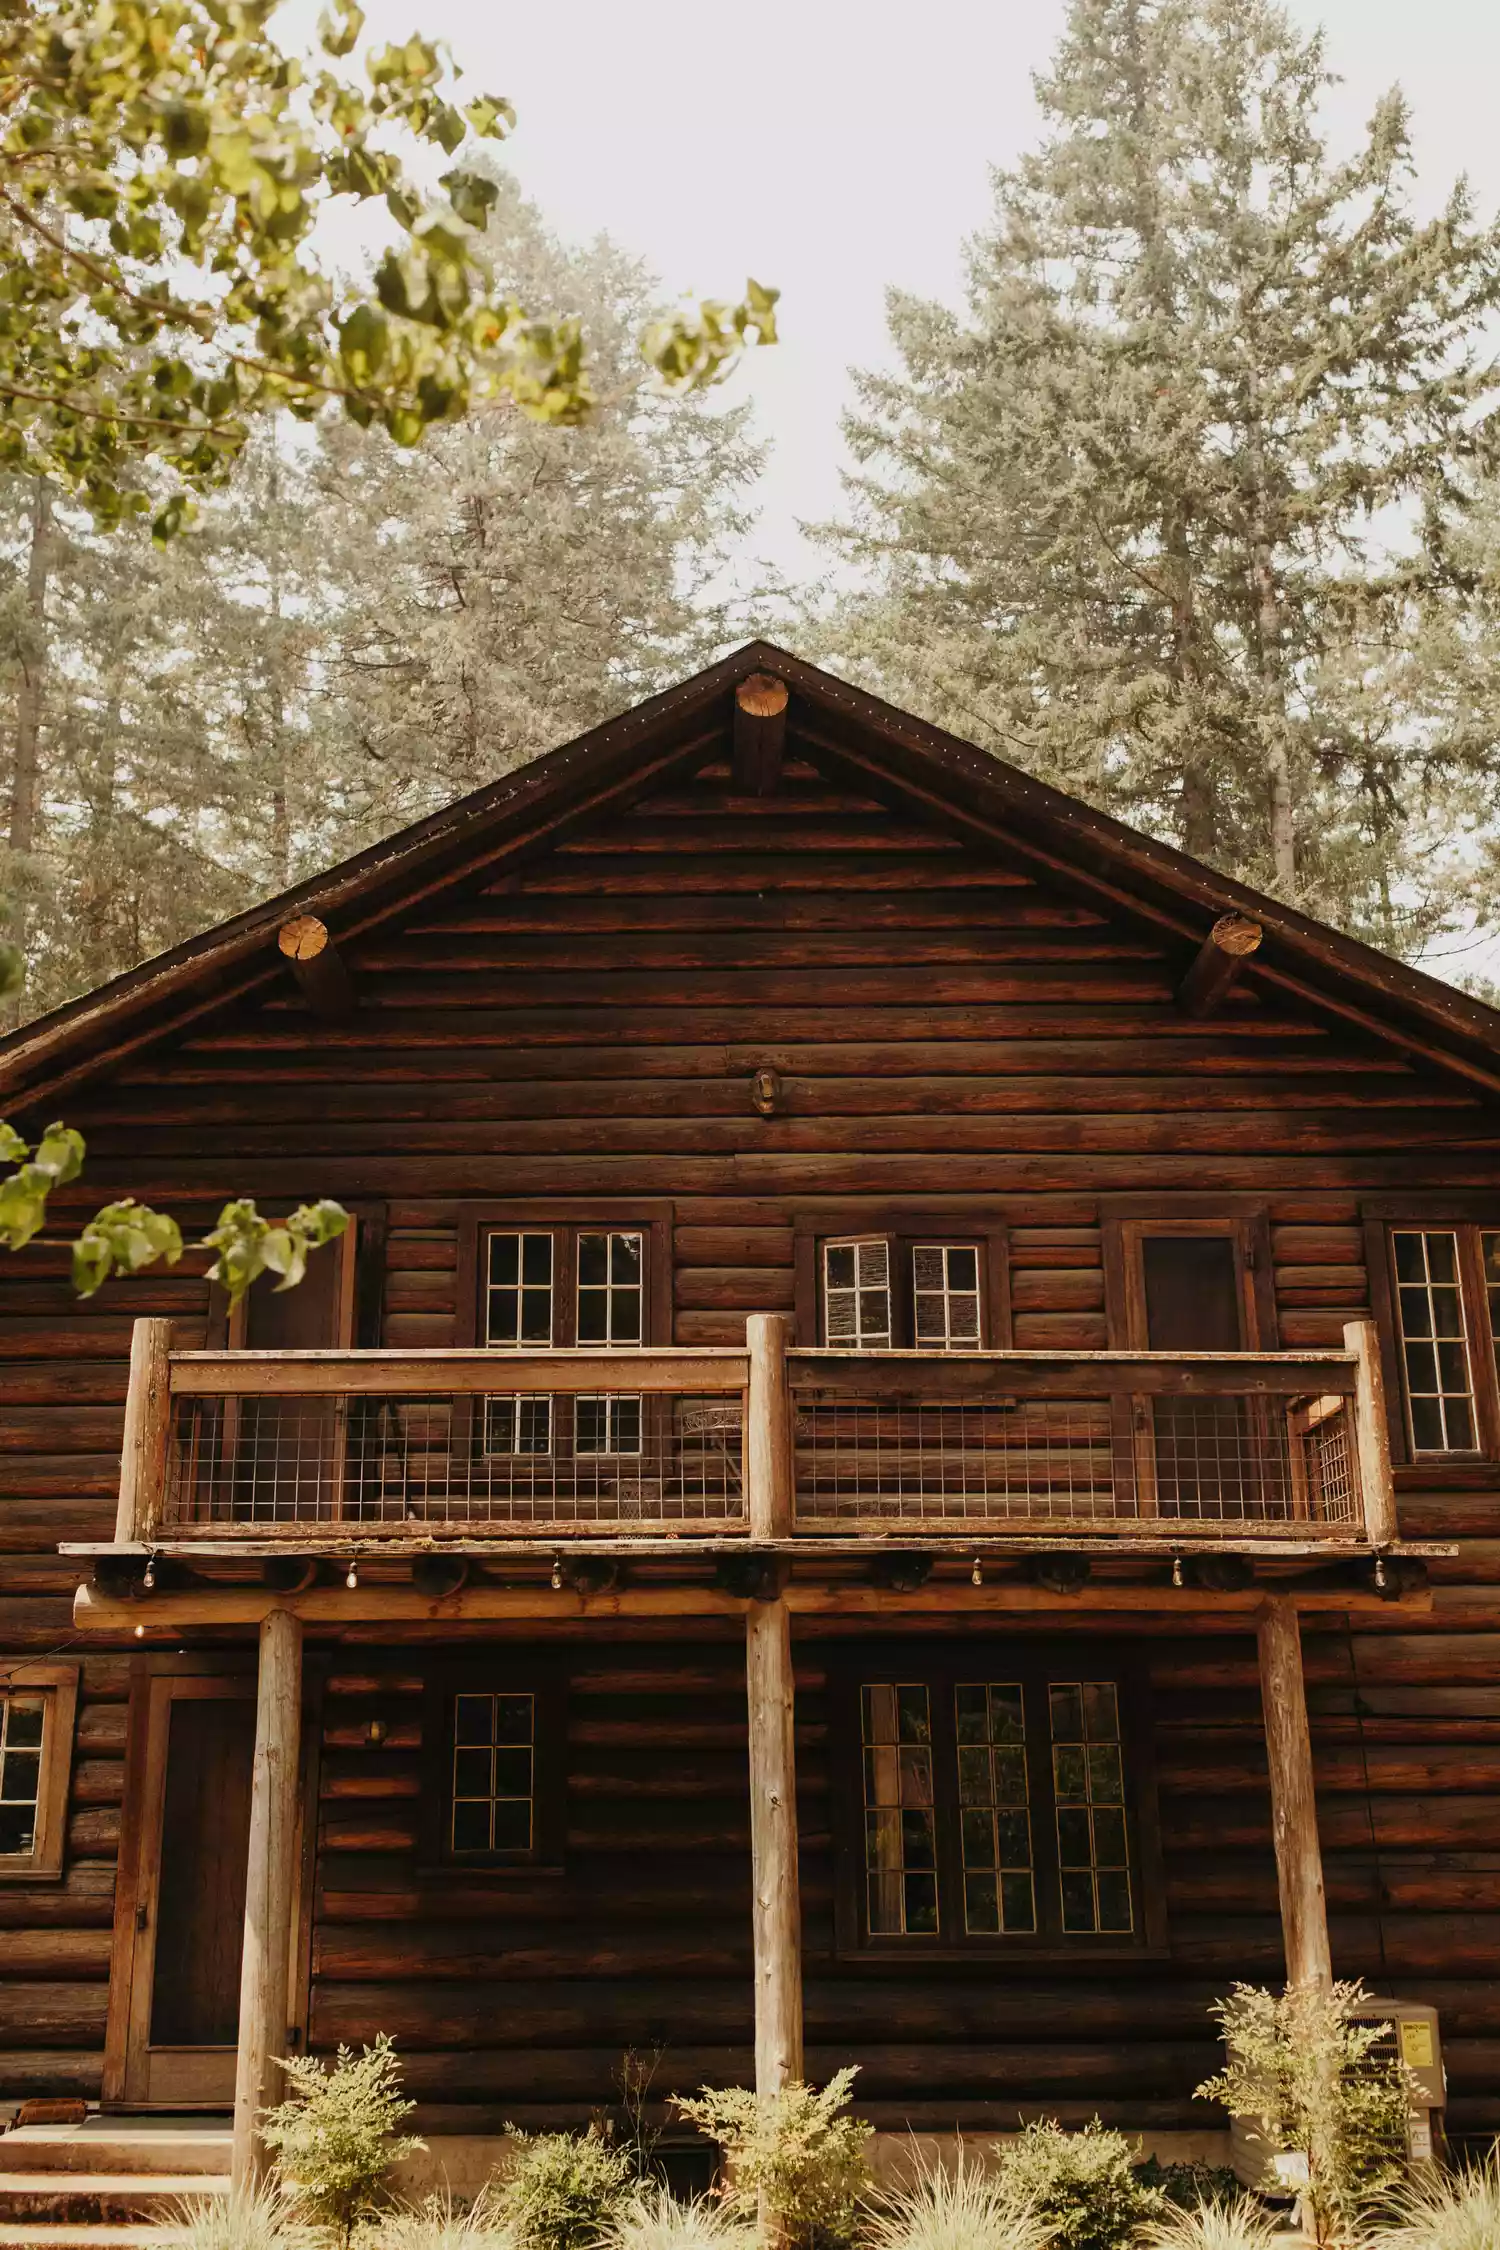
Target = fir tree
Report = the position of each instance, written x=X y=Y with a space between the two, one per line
x=1168 y=515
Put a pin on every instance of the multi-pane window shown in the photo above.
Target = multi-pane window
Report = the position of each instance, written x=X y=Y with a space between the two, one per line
x=493 y=1797
x=553 y=1287
x=992 y=1809
x=900 y=1826
x=22 y=1722
x=857 y=1294
x=880 y=1292
x=1434 y=1348
x=945 y=1296
x=1088 y=1785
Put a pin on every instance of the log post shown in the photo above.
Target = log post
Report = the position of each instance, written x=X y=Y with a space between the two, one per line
x=1230 y=943
x=776 y=1906
x=1294 y=1811
x=317 y=965
x=759 y=734
x=270 y=1882
x=148 y=1430
x=1372 y=1433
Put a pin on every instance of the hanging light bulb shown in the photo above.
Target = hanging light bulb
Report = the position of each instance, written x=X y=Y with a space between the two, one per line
x=140 y=1632
x=557 y=1574
x=1177 y=1570
x=352 y=1580
x=148 y=1579
x=1380 y=1574
x=976 y=1575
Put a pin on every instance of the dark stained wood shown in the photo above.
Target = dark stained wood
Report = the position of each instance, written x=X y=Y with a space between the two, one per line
x=759 y=733
x=1231 y=942
x=320 y=969
x=200 y=1905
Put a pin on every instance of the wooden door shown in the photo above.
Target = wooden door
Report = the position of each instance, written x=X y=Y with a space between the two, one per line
x=290 y=1455
x=174 y=2002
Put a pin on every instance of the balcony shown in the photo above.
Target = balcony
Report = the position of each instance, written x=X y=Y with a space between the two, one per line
x=393 y=1450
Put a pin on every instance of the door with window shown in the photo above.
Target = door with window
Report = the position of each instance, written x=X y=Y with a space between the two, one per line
x=1189 y=1285
x=175 y=2001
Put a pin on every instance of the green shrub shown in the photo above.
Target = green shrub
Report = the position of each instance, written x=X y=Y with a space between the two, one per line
x=792 y=2158
x=563 y=2191
x=1189 y=2185
x=334 y=2139
x=957 y=2209
x=1304 y=2073
x=1447 y=2210
x=1082 y=2186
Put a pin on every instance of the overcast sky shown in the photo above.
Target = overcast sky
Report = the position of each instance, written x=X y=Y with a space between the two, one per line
x=833 y=147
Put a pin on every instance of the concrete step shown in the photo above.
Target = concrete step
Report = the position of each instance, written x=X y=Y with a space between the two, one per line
x=117 y=2145
x=100 y=2199
x=17 y=2234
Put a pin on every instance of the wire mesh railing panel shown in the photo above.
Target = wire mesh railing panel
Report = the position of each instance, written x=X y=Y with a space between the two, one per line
x=537 y=1463
x=1265 y=1462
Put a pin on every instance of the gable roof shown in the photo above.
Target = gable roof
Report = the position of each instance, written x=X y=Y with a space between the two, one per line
x=991 y=804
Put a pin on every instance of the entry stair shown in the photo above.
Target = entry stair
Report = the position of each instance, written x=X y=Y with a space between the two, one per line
x=111 y=2183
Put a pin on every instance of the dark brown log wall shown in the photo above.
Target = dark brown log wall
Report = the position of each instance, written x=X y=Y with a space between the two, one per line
x=950 y=1035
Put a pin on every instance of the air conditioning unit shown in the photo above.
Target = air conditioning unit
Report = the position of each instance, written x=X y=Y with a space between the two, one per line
x=1413 y=2035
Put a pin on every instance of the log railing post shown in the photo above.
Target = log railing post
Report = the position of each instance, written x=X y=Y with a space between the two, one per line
x=1372 y=1433
x=269 y=1887
x=1294 y=1811
x=148 y=1430
x=775 y=1900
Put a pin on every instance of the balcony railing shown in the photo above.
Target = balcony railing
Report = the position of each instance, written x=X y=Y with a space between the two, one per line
x=430 y=1447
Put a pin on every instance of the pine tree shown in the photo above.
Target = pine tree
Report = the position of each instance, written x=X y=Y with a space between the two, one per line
x=1168 y=515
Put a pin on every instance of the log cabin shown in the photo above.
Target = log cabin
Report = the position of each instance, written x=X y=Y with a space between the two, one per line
x=900 y=1464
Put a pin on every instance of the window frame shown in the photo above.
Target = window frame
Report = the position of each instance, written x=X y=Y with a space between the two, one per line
x=58 y=1686
x=564 y=1220
x=538 y=1676
x=1467 y=1217
x=903 y=1230
x=1034 y=1664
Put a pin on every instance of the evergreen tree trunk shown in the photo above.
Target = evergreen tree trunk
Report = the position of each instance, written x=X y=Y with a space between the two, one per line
x=25 y=791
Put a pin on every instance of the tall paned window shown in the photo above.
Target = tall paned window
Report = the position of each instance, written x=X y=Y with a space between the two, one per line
x=995 y=1810
x=857 y=1311
x=492 y=1805
x=945 y=1296
x=38 y=1704
x=1434 y=1349
x=546 y=1288
x=22 y=1722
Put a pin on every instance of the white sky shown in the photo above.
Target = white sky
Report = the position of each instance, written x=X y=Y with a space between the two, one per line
x=833 y=147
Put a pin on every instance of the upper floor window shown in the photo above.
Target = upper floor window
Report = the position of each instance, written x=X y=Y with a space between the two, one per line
x=879 y=1292
x=37 y=1707
x=993 y=1805
x=1447 y=1306
x=532 y=1279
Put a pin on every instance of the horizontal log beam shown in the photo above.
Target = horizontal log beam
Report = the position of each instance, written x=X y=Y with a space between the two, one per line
x=329 y=1608
x=443 y=1374
x=1071 y=1375
x=1223 y=953
x=315 y=961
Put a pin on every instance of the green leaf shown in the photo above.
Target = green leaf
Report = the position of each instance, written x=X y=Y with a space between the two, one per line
x=59 y=1153
x=491 y=116
x=126 y=1235
x=13 y=1150
x=472 y=195
x=168 y=521
x=339 y=27
x=362 y=343
x=246 y=1245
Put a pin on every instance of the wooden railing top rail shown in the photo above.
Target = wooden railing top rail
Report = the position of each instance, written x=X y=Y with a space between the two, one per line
x=454 y=1374
x=1107 y=1374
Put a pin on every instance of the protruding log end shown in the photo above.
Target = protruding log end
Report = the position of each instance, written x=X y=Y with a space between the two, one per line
x=759 y=733
x=1228 y=945
x=315 y=962
x=303 y=938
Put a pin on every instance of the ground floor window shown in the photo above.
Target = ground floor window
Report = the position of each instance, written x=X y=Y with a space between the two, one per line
x=992 y=1801
x=38 y=1703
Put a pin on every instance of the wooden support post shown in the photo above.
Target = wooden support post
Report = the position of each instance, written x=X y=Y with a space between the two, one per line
x=1228 y=945
x=776 y=1906
x=1294 y=1811
x=1372 y=1433
x=768 y=1428
x=148 y=1431
x=759 y=734
x=316 y=963
x=265 y=1965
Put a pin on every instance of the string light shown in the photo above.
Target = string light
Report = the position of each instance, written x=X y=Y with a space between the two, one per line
x=1177 y=1570
x=149 y=1578
x=1380 y=1574
x=352 y=1580
x=976 y=1575
x=140 y=1632
x=557 y=1574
